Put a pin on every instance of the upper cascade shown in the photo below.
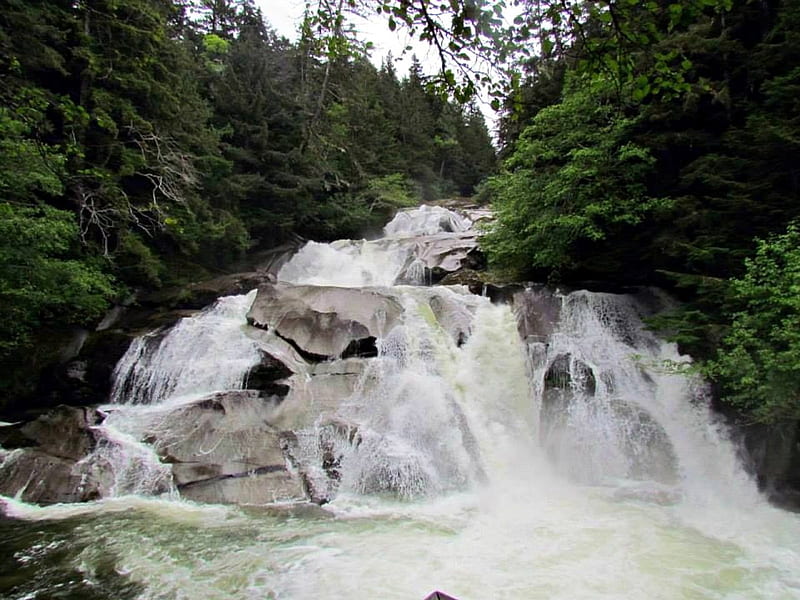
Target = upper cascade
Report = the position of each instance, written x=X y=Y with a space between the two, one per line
x=426 y=220
x=416 y=241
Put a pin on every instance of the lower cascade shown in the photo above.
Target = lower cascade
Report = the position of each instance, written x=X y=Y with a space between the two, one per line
x=348 y=431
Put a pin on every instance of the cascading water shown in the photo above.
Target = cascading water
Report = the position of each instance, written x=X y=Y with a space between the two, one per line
x=199 y=354
x=161 y=370
x=539 y=450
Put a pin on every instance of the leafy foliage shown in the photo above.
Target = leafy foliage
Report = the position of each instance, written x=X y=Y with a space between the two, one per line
x=575 y=185
x=701 y=99
x=147 y=142
x=758 y=363
x=43 y=278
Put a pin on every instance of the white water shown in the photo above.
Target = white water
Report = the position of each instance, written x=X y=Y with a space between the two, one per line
x=199 y=354
x=466 y=480
x=412 y=243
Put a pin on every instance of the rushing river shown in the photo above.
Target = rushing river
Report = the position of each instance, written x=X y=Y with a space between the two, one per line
x=490 y=466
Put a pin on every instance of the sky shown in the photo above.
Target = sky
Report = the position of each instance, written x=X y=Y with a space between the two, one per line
x=285 y=16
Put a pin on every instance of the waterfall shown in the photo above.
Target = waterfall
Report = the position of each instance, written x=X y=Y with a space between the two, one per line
x=541 y=447
x=611 y=411
x=199 y=354
x=455 y=396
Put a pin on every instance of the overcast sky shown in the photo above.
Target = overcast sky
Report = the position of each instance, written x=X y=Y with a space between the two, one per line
x=285 y=17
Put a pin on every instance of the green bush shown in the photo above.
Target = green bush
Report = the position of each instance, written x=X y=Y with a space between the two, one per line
x=758 y=364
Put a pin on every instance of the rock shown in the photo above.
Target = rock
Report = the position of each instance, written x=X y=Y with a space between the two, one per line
x=538 y=311
x=566 y=373
x=195 y=296
x=324 y=322
x=447 y=251
x=773 y=456
x=452 y=314
x=320 y=392
x=317 y=454
x=64 y=431
x=426 y=220
x=438 y=596
x=262 y=485
x=502 y=293
x=86 y=378
x=474 y=280
x=41 y=478
x=224 y=448
x=265 y=376
x=42 y=458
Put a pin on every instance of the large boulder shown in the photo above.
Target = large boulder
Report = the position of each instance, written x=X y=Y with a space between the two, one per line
x=325 y=322
x=42 y=460
x=538 y=311
x=84 y=378
x=448 y=251
x=224 y=448
x=195 y=296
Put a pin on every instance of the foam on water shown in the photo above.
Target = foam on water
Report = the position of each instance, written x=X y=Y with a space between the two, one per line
x=567 y=465
x=199 y=354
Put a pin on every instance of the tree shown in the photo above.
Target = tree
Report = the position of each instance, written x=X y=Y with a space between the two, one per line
x=575 y=186
x=758 y=363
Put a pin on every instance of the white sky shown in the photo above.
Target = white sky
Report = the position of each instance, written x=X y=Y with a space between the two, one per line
x=285 y=16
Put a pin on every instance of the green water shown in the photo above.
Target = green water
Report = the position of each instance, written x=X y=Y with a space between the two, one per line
x=569 y=542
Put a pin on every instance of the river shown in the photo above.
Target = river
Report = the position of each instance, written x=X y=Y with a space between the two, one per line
x=490 y=463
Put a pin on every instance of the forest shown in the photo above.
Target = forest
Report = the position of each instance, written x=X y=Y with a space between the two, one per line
x=148 y=142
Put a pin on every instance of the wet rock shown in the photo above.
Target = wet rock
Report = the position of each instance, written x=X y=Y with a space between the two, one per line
x=502 y=293
x=426 y=220
x=41 y=459
x=433 y=257
x=85 y=378
x=200 y=294
x=316 y=486
x=262 y=485
x=474 y=280
x=772 y=454
x=361 y=348
x=566 y=372
x=267 y=375
x=324 y=322
x=317 y=455
x=41 y=478
x=224 y=448
x=320 y=392
x=447 y=252
x=538 y=310
x=64 y=431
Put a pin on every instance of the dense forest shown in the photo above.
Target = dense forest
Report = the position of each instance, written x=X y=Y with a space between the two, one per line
x=151 y=142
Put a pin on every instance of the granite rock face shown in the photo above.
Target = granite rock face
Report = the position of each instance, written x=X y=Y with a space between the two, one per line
x=42 y=460
x=224 y=448
x=325 y=322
